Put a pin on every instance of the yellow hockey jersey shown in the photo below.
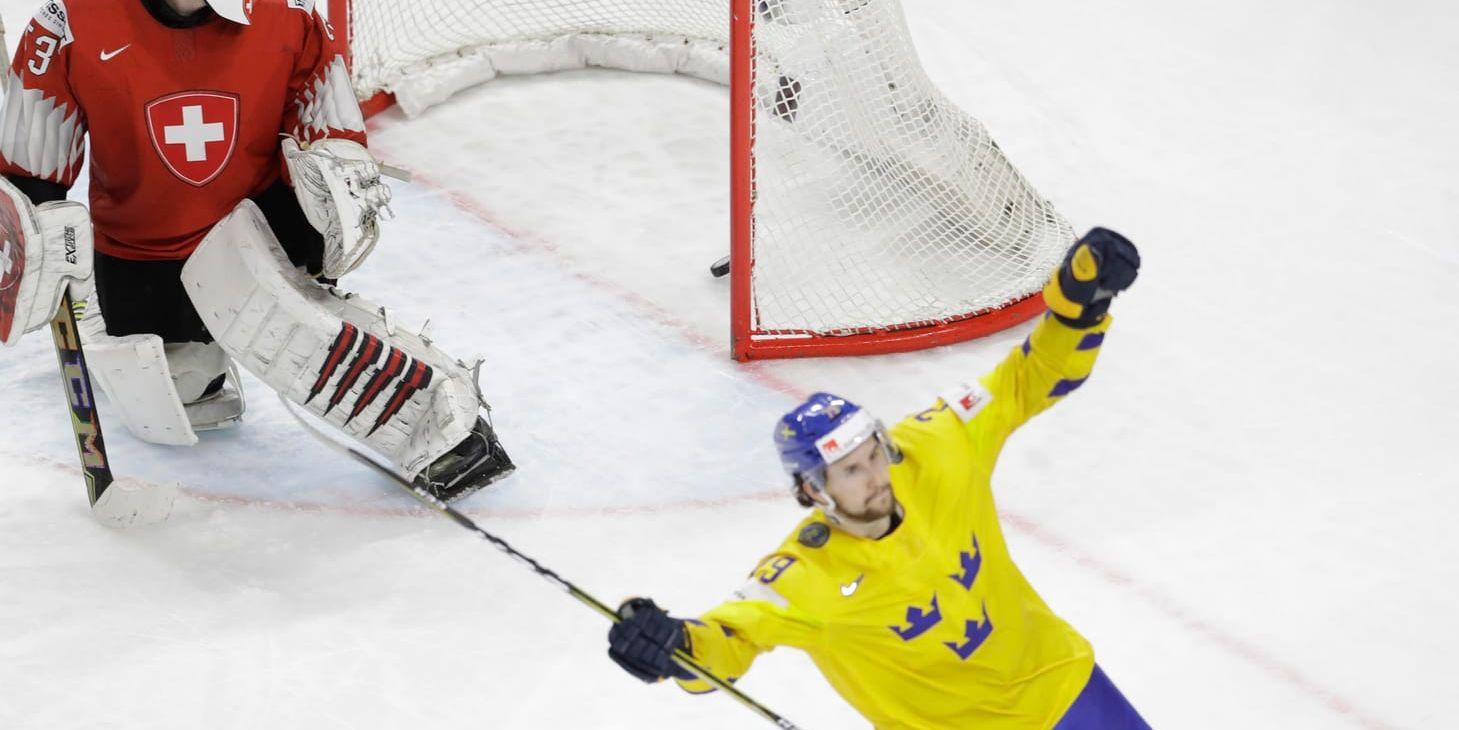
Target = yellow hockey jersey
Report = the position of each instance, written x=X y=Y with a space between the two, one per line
x=932 y=626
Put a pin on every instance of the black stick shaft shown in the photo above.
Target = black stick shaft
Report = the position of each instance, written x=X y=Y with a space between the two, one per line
x=85 y=421
x=682 y=658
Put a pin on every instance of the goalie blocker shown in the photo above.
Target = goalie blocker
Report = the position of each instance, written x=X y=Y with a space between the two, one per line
x=340 y=358
x=42 y=248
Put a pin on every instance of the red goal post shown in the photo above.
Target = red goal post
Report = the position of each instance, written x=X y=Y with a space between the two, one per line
x=868 y=215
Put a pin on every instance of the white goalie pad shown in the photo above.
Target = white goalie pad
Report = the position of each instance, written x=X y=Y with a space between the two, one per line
x=133 y=373
x=42 y=248
x=335 y=354
x=156 y=388
x=338 y=185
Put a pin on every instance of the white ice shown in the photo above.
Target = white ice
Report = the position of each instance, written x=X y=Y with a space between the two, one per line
x=1248 y=510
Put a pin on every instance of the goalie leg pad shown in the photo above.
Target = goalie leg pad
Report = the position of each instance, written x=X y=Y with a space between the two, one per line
x=41 y=249
x=134 y=374
x=335 y=354
x=159 y=389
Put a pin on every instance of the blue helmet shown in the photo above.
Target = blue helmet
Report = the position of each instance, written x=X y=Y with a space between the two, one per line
x=820 y=431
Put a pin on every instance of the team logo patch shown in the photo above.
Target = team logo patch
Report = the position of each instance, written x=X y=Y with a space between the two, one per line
x=968 y=400
x=814 y=535
x=12 y=263
x=194 y=132
x=846 y=437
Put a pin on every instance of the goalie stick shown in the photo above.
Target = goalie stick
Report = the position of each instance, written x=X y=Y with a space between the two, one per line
x=85 y=422
x=681 y=657
x=119 y=503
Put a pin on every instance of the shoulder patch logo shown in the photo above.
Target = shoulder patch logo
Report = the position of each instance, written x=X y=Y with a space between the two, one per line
x=968 y=400
x=53 y=17
x=814 y=535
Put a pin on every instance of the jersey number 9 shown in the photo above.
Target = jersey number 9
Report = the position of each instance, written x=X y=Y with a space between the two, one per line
x=772 y=569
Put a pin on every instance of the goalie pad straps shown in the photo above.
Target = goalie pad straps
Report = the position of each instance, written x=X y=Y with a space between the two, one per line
x=332 y=353
x=41 y=248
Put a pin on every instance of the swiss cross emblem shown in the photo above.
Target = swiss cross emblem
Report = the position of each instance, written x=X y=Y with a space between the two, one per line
x=194 y=132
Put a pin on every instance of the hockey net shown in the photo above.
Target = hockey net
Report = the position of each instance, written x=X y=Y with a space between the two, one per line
x=870 y=214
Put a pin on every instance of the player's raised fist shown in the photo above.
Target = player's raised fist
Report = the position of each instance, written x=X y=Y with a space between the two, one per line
x=1103 y=263
x=644 y=640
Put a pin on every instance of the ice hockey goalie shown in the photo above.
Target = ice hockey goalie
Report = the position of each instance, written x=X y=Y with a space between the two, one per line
x=216 y=246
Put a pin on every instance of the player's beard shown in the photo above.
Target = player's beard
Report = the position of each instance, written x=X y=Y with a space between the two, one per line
x=884 y=504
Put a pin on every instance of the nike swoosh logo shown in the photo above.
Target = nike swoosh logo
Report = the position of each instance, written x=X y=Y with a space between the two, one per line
x=851 y=587
x=109 y=55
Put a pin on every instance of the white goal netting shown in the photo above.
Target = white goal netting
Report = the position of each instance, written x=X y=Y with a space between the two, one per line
x=877 y=204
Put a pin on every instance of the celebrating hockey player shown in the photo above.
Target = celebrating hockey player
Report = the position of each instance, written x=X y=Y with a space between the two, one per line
x=229 y=178
x=899 y=584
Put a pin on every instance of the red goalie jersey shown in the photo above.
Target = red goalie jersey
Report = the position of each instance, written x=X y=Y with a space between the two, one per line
x=184 y=122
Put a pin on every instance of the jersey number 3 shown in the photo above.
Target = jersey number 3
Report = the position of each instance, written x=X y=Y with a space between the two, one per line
x=45 y=47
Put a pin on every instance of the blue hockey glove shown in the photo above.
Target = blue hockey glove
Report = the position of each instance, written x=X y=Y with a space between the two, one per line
x=643 y=643
x=1103 y=263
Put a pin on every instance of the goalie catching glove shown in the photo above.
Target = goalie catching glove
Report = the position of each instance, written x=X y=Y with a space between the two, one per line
x=338 y=185
x=1102 y=264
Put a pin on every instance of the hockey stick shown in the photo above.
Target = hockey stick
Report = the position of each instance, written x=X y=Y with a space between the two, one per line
x=681 y=657
x=85 y=421
x=120 y=502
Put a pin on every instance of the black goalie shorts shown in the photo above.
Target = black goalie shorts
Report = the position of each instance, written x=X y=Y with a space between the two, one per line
x=147 y=297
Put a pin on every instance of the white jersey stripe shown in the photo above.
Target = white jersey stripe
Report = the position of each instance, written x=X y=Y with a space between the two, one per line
x=37 y=135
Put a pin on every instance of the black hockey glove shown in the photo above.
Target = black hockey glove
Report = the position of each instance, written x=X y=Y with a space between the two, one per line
x=643 y=643
x=1103 y=263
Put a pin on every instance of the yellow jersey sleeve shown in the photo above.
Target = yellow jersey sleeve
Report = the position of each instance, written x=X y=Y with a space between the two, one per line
x=757 y=618
x=1052 y=362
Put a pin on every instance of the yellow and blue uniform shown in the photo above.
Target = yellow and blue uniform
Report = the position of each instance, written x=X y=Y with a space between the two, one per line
x=931 y=626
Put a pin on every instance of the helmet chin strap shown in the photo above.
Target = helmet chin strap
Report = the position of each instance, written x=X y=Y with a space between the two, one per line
x=234 y=10
x=829 y=506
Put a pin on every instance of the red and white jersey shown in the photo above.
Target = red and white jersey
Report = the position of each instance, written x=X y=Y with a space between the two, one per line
x=184 y=123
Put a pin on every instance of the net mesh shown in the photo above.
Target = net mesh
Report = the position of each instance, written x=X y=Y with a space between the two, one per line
x=878 y=204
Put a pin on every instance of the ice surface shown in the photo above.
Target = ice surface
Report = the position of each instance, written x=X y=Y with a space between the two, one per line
x=1248 y=509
